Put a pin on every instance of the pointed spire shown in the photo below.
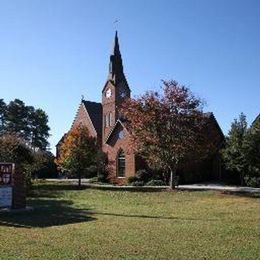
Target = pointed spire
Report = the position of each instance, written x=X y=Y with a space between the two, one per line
x=116 y=65
x=116 y=49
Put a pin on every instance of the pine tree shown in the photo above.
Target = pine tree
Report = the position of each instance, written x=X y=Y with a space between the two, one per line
x=38 y=128
x=16 y=118
x=251 y=150
x=2 y=115
x=26 y=122
x=233 y=154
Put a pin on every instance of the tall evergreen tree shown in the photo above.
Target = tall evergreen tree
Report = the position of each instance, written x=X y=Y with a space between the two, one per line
x=26 y=122
x=2 y=115
x=233 y=154
x=251 y=150
x=39 y=129
x=16 y=118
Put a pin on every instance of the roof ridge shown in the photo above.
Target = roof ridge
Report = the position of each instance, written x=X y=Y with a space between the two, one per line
x=89 y=101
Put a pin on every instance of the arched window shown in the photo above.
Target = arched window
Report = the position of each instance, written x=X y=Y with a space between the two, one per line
x=121 y=164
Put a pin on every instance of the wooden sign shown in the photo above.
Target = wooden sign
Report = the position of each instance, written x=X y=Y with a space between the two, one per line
x=6 y=196
x=6 y=189
x=6 y=173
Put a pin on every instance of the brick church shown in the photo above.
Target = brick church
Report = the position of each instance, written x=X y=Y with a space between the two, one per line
x=103 y=122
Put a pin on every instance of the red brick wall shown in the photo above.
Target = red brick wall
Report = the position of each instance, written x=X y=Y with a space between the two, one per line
x=112 y=104
x=109 y=106
x=82 y=118
x=112 y=149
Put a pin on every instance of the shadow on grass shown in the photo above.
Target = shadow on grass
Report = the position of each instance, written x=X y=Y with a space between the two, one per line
x=57 y=187
x=151 y=217
x=53 y=190
x=127 y=188
x=253 y=195
x=46 y=213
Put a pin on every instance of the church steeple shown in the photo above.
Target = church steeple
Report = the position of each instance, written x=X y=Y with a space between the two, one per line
x=116 y=71
x=115 y=91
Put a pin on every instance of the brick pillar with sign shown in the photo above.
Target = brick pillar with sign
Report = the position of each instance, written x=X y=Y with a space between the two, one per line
x=6 y=189
x=19 y=191
x=12 y=187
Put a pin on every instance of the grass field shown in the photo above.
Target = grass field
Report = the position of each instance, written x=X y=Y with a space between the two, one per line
x=95 y=224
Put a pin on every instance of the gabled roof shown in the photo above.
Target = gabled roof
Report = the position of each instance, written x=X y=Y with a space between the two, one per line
x=211 y=116
x=95 y=113
x=256 y=119
x=62 y=139
x=108 y=81
x=118 y=122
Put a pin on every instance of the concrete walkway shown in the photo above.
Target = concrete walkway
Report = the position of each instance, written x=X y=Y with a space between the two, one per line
x=199 y=186
x=219 y=187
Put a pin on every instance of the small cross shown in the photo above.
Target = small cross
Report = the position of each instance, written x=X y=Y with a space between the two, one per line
x=116 y=23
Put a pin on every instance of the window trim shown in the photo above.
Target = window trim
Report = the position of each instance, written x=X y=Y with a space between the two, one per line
x=119 y=154
x=107 y=120
x=110 y=119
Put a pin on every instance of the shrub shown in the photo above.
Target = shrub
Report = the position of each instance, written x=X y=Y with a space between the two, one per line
x=155 y=183
x=132 y=179
x=102 y=176
x=43 y=165
x=252 y=181
x=14 y=149
x=90 y=172
x=137 y=183
x=93 y=180
x=143 y=175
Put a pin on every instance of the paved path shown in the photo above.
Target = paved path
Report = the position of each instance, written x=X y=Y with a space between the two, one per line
x=220 y=187
x=199 y=186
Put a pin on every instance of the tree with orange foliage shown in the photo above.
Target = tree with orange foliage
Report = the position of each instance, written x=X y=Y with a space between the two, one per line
x=77 y=153
x=166 y=128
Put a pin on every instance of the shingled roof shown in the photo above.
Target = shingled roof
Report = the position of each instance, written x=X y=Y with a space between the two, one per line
x=256 y=119
x=95 y=113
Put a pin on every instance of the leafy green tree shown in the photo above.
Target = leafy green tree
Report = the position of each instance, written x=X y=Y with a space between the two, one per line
x=26 y=122
x=2 y=115
x=38 y=128
x=78 y=152
x=251 y=149
x=16 y=119
x=13 y=149
x=166 y=128
x=233 y=153
x=43 y=165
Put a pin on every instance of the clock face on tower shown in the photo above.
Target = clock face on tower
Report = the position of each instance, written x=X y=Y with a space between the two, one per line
x=122 y=93
x=108 y=93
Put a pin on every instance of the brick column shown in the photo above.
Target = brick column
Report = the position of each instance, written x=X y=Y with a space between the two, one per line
x=19 y=191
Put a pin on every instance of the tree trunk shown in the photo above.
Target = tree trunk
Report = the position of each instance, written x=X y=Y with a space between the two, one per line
x=173 y=171
x=79 y=181
x=242 y=183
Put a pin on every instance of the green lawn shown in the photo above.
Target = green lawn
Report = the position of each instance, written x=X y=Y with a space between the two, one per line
x=95 y=224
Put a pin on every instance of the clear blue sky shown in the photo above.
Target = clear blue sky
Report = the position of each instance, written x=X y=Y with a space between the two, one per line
x=54 y=51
